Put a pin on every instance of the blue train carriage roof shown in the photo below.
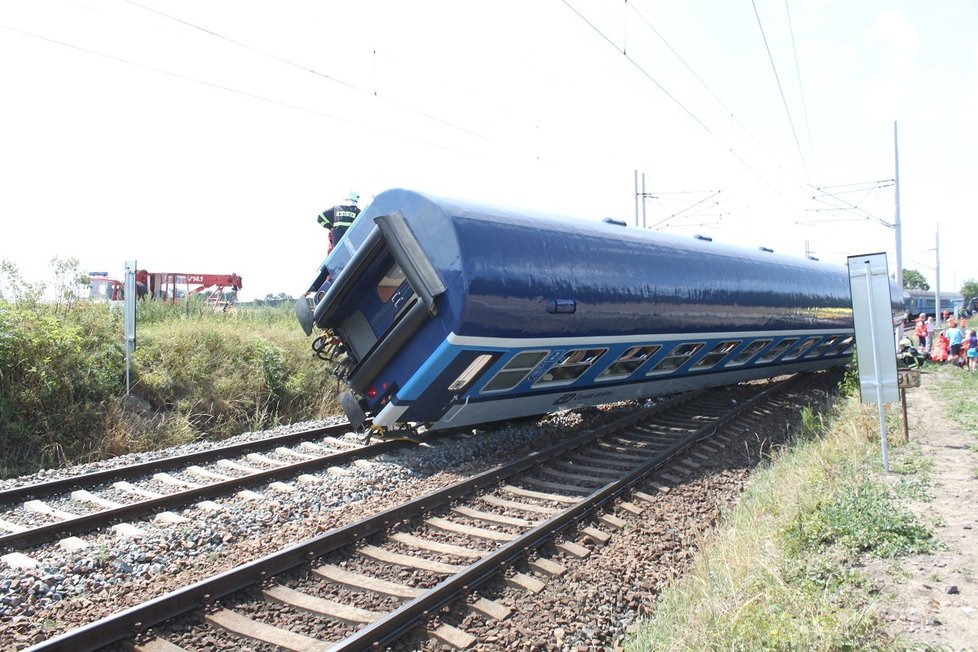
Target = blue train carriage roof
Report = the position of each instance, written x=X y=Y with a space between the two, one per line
x=514 y=273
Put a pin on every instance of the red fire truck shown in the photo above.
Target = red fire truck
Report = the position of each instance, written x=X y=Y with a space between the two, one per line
x=221 y=289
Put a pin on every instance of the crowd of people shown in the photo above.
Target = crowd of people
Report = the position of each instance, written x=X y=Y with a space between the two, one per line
x=955 y=343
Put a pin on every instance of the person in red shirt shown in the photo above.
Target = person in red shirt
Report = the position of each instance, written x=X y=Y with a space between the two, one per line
x=920 y=330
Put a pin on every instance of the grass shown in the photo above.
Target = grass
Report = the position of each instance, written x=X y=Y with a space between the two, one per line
x=780 y=572
x=957 y=389
x=916 y=474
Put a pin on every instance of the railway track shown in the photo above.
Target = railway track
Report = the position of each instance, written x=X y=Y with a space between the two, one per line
x=388 y=576
x=39 y=513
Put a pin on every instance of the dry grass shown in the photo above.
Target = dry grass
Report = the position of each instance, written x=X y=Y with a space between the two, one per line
x=771 y=578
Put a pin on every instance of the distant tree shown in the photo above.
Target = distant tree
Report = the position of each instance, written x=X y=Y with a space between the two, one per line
x=970 y=289
x=14 y=288
x=67 y=279
x=914 y=280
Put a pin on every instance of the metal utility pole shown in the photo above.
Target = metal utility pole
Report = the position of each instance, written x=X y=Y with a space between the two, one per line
x=937 y=276
x=640 y=194
x=896 y=220
x=636 y=197
x=129 y=314
x=644 y=195
x=896 y=195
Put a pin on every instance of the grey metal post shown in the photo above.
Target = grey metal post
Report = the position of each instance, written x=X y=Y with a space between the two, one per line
x=644 y=195
x=937 y=276
x=129 y=308
x=896 y=224
x=879 y=374
x=636 y=198
x=896 y=194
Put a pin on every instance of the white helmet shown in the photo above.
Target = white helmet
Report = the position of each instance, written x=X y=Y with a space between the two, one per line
x=353 y=196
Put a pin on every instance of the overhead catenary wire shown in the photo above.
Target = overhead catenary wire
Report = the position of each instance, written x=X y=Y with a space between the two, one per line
x=784 y=100
x=697 y=77
x=300 y=66
x=225 y=88
x=688 y=208
x=834 y=202
x=665 y=91
x=801 y=90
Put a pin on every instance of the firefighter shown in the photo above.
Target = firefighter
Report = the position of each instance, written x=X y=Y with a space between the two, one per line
x=339 y=218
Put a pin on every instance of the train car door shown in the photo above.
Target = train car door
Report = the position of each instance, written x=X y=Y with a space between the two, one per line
x=381 y=297
x=380 y=302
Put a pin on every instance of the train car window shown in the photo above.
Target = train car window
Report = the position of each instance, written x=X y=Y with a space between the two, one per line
x=777 y=349
x=676 y=358
x=514 y=371
x=466 y=377
x=570 y=367
x=749 y=352
x=390 y=282
x=823 y=348
x=716 y=354
x=628 y=362
x=801 y=348
x=845 y=346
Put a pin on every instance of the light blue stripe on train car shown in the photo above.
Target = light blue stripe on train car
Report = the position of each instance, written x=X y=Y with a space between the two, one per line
x=427 y=372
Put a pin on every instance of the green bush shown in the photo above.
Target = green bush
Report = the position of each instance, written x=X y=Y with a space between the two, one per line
x=57 y=377
x=196 y=374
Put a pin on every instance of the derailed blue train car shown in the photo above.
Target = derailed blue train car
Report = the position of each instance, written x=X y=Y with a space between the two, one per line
x=448 y=313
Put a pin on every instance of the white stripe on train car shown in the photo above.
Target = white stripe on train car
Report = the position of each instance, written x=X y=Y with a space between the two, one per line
x=552 y=342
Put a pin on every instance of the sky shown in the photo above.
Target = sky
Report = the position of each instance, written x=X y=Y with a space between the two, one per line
x=205 y=136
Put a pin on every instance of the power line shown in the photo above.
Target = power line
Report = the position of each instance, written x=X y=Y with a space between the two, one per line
x=834 y=202
x=228 y=89
x=307 y=69
x=689 y=207
x=662 y=88
x=801 y=90
x=791 y=122
x=696 y=76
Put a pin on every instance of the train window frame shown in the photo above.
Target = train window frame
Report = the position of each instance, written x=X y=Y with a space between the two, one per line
x=748 y=352
x=823 y=347
x=680 y=354
x=845 y=346
x=471 y=372
x=570 y=367
x=385 y=287
x=511 y=371
x=715 y=355
x=776 y=350
x=803 y=348
x=630 y=362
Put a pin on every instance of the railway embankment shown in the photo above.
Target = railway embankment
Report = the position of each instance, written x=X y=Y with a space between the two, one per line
x=825 y=551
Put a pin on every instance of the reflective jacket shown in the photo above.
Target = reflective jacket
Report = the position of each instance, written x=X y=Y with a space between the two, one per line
x=339 y=217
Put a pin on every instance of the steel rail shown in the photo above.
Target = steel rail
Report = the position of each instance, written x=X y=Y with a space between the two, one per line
x=140 y=617
x=95 y=520
x=412 y=613
x=52 y=487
